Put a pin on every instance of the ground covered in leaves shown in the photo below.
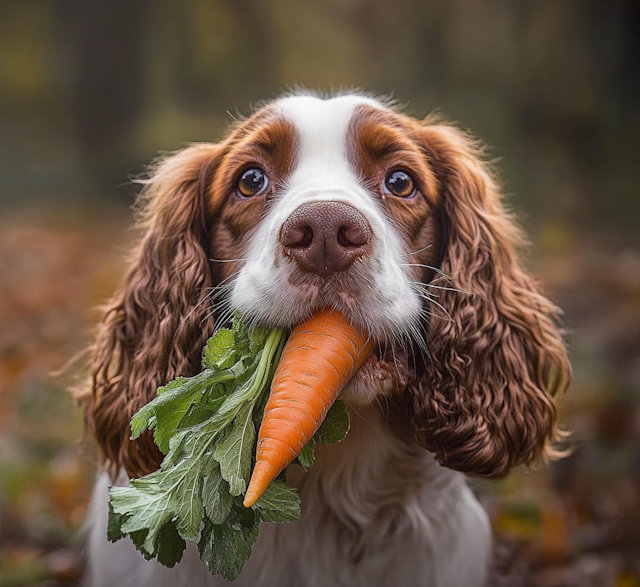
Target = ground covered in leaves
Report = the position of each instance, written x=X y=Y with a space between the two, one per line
x=575 y=523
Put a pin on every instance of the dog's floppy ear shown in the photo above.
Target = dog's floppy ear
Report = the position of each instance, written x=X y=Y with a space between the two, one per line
x=496 y=356
x=153 y=329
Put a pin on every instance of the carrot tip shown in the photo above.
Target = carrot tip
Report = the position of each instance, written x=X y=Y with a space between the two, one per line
x=262 y=475
x=250 y=499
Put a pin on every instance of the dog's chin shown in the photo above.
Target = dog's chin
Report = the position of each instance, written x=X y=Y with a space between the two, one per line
x=385 y=373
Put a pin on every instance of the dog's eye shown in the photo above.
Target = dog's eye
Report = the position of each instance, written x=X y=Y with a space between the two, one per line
x=252 y=183
x=400 y=184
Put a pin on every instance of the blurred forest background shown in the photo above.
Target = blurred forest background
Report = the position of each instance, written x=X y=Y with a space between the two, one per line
x=91 y=90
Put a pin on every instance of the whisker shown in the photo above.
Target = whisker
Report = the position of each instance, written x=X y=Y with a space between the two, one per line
x=462 y=291
x=224 y=318
x=447 y=317
x=206 y=317
x=224 y=283
x=419 y=339
x=425 y=295
x=420 y=284
x=439 y=271
x=212 y=294
x=418 y=251
x=220 y=307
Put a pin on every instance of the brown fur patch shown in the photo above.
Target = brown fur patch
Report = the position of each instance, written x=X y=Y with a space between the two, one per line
x=272 y=147
x=381 y=141
x=154 y=327
x=482 y=398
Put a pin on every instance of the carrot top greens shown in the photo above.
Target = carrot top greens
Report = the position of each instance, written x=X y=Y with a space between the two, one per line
x=206 y=426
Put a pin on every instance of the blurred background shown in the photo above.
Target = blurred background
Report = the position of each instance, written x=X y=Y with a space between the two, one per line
x=92 y=90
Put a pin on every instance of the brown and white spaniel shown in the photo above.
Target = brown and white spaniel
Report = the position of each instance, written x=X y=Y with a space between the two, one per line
x=346 y=203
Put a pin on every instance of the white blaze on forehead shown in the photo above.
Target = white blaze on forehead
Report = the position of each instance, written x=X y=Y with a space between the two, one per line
x=322 y=127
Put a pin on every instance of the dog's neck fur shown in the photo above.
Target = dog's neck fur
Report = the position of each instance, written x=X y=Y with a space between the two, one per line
x=363 y=498
x=371 y=469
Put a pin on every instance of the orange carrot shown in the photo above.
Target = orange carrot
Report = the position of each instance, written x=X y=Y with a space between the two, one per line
x=319 y=358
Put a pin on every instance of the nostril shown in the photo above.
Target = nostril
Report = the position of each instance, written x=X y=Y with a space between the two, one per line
x=296 y=235
x=306 y=240
x=352 y=236
x=343 y=241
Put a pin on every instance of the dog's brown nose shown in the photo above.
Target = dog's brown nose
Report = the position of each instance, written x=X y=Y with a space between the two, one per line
x=325 y=237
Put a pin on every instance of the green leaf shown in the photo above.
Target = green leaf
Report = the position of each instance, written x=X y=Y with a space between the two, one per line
x=234 y=451
x=169 y=545
x=197 y=414
x=225 y=547
x=172 y=403
x=146 y=507
x=194 y=391
x=335 y=426
x=278 y=503
x=307 y=454
x=114 y=525
x=138 y=537
x=216 y=497
x=206 y=425
x=145 y=417
x=220 y=351
x=258 y=338
x=241 y=338
x=190 y=508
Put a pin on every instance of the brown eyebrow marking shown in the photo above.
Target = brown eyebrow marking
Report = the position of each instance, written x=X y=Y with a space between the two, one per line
x=271 y=143
x=381 y=140
x=266 y=141
x=276 y=140
x=375 y=134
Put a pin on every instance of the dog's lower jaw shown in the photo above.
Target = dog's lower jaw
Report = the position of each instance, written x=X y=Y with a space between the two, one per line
x=377 y=511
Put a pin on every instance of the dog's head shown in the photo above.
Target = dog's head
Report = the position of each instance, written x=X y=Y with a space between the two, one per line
x=350 y=204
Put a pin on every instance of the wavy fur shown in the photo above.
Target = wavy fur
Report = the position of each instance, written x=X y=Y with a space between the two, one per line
x=484 y=404
x=151 y=331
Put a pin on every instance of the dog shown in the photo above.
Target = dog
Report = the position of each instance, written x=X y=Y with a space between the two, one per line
x=342 y=202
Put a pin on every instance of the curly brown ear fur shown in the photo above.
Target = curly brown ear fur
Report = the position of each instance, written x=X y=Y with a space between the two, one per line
x=150 y=333
x=496 y=358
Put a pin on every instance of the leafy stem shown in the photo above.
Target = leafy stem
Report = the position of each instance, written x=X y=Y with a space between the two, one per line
x=206 y=426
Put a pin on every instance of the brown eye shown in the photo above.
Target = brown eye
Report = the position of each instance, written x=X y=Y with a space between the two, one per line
x=252 y=183
x=400 y=184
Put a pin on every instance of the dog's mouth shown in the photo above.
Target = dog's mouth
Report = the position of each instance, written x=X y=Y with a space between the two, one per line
x=386 y=372
x=366 y=309
x=391 y=365
x=335 y=288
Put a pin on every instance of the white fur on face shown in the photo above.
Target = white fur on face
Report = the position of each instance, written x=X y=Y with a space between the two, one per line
x=383 y=301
